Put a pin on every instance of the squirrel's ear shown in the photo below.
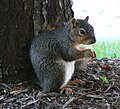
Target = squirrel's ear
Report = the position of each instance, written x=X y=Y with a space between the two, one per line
x=87 y=18
x=73 y=22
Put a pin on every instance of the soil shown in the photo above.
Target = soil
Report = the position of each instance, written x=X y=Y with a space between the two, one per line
x=99 y=89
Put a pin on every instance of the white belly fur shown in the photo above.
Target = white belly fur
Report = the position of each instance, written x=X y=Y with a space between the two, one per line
x=69 y=70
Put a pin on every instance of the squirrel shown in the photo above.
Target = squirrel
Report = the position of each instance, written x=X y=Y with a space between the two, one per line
x=54 y=53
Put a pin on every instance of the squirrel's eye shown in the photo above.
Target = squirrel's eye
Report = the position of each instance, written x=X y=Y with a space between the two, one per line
x=82 y=31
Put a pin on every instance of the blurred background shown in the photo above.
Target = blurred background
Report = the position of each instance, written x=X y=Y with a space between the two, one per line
x=105 y=18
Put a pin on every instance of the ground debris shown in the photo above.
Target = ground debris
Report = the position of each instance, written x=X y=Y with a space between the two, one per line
x=96 y=93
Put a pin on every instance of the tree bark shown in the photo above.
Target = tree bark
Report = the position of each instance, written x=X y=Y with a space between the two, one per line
x=16 y=33
x=51 y=14
x=20 y=21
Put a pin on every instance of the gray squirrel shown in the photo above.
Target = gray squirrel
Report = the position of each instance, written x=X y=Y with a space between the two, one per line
x=53 y=53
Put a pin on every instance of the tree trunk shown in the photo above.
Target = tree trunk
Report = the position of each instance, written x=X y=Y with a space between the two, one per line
x=20 y=20
x=50 y=14
x=16 y=32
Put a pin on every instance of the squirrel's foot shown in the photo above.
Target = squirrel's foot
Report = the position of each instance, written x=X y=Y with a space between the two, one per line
x=66 y=90
x=75 y=82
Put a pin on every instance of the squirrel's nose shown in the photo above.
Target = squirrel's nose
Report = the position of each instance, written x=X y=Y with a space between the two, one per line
x=93 y=40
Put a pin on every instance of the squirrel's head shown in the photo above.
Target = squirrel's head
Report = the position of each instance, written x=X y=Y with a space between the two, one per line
x=81 y=31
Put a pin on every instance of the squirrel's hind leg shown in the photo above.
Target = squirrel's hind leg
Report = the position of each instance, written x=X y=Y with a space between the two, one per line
x=53 y=78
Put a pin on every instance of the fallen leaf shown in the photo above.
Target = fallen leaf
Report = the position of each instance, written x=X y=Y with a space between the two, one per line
x=104 y=79
x=107 y=66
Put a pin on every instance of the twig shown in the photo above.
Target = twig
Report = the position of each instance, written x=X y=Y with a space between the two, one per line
x=76 y=98
x=32 y=102
x=68 y=102
x=25 y=82
x=5 y=86
x=16 y=92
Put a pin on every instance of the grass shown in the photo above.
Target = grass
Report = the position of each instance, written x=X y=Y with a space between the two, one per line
x=107 y=49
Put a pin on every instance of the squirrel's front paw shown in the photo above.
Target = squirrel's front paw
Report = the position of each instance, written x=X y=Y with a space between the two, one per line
x=90 y=53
